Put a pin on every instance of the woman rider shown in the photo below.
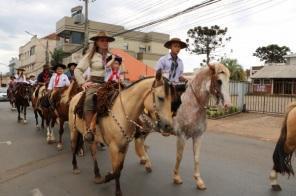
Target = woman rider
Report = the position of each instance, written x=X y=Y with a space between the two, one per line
x=95 y=60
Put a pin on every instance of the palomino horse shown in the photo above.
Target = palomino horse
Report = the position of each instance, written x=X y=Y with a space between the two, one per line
x=117 y=129
x=190 y=119
x=284 y=148
x=22 y=96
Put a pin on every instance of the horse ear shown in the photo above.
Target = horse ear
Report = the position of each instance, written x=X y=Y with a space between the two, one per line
x=212 y=67
x=158 y=75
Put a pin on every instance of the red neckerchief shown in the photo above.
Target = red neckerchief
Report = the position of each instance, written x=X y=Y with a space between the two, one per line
x=114 y=74
x=45 y=76
x=57 y=79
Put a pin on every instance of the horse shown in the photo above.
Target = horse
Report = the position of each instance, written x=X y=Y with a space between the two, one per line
x=11 y=97
x=62 y=108
x=22 y=96
x=116 y=129
x=190 y=118
x=284 y=149
x=41 y=106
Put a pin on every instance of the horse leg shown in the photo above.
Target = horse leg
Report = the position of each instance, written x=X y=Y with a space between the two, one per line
x=98 y=178
x=18 y=113
x=142 y=153
x=76 y=138
x=180 y=148
x=25 y=114
x=61 y=132
x=52 y=121
x=117 y=157
x=36 y=118
x=196 y=151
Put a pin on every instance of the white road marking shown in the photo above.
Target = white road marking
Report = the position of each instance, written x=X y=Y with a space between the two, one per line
x=6 y=142
x=36 y=192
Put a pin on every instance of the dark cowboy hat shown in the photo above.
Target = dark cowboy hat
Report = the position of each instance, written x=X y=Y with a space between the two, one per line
x=46 y=66
x=70 y=64
x=175 y=40
x=58 y=65
x=102 y=34
x=110 y=59
x=31 y=76
x=12 y=77
x=21 y=69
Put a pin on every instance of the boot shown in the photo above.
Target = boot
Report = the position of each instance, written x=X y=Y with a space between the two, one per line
x=89 y=136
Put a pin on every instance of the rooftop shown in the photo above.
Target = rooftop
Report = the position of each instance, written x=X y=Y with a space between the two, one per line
x=276 y=71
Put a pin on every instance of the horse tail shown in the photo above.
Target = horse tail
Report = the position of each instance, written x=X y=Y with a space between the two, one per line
x=281 y=159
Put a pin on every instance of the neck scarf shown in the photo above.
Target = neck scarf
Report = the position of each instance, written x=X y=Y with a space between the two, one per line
x=57 y=80
x=173 y=67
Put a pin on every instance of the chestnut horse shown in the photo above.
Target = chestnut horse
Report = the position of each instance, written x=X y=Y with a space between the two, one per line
x=117 y=129
x=190 y=119
x=284 y=149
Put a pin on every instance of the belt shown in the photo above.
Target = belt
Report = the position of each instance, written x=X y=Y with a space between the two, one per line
x=97 y=79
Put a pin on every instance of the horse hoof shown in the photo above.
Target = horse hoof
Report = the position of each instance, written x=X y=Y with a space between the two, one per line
x=81 y=153
x=89 y=137
x=201 y=187
x=118 y=193
x=276 y=187
x=60 y=147
x=148 y=169
x=99 y=180
x=25 y=121
x=76 y=171
x=143 y=161
x=178 y=181
x=37 y=126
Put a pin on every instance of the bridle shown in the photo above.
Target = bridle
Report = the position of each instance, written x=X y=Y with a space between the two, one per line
x=155 y=111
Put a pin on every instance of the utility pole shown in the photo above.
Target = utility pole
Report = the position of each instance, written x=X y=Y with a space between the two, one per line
x=86 y=22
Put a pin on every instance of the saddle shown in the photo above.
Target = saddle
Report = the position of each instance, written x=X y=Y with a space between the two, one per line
x=103 y=99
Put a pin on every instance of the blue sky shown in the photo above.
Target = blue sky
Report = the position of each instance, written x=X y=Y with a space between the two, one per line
x=251 y=23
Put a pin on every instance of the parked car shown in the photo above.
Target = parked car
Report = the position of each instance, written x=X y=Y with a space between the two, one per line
x=3 y=94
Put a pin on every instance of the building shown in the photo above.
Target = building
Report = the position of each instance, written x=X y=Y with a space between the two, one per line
x=13 y=65
x=145 y=47
x=34 y=54
x=276 y=78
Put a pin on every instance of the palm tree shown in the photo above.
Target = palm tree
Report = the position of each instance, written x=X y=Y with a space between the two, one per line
x=57 y=56
x=237 y=72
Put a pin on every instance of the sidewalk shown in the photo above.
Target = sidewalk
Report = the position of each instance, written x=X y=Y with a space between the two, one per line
x=260 y=126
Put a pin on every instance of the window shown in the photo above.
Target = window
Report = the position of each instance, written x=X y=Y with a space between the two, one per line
x=32 y=51
x=76 y=37
x=142 y=49
x=125 y=46
x=257 y=81
x=266 y=81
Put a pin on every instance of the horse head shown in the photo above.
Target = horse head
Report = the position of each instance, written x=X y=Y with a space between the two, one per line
x=158 y=102
x=219 y=85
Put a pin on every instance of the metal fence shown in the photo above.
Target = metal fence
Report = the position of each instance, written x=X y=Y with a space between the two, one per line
x=243 y=97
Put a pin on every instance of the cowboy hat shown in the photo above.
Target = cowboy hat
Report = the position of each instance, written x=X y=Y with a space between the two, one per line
x=175 y=40
x=102 y=34
x=59 y=65
x=70 y=64
x=46 y=66
x=21 y=69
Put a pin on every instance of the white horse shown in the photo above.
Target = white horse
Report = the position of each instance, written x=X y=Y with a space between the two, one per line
x=190 y=119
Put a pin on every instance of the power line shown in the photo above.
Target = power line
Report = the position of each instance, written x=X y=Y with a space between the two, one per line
x=190 y=9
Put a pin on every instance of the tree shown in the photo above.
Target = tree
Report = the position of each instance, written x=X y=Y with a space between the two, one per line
x=57 y=56
x=237 y=72
x=205 y=40
x=272 y=53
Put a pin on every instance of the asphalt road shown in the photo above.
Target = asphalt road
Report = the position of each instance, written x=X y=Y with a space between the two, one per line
x=230 y=165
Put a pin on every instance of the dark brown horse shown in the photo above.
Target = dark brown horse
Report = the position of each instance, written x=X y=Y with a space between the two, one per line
x=22 y=94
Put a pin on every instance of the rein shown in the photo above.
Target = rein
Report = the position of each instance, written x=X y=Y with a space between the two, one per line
x=124 y=133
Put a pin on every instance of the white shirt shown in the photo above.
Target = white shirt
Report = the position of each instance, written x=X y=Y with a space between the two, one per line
x=19 y=78
x=165 y=63
x=63 y=81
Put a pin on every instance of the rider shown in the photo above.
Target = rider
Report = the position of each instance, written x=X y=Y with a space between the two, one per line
x=170 y=64
x=20 y=76
x=70 y=71
x=32 y=80
x=44 y=77
x=95 y=60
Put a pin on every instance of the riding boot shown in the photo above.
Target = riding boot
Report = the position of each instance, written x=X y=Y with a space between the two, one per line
x=90 y=131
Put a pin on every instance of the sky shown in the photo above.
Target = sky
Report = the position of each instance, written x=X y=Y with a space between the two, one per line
x=250 y=23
